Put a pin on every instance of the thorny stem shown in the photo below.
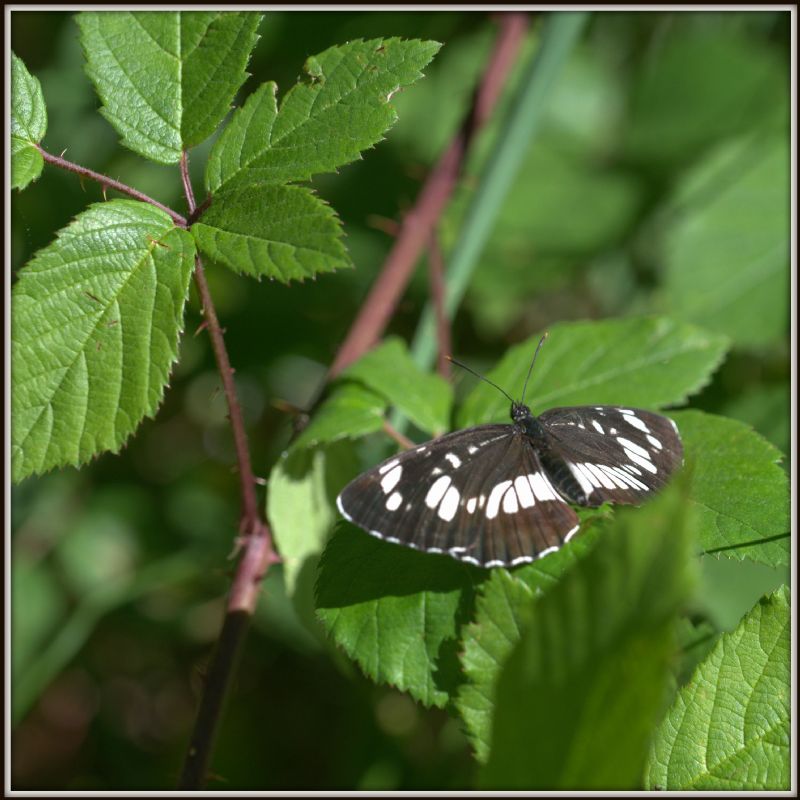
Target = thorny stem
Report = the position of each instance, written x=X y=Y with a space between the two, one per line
x=418 y=225
x=254 y=538
x=110 y=183
x=255 y=541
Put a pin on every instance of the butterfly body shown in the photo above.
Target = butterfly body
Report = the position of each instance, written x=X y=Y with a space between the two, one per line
x=499 y=495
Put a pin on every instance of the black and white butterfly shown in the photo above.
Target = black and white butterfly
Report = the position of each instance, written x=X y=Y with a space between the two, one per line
x=498 y=495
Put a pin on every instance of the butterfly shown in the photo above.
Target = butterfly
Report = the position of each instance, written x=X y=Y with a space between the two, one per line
x=499 y=495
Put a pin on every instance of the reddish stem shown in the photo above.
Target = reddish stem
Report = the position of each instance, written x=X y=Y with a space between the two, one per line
x=418 y=225
x=255 y=541
x=110 y=183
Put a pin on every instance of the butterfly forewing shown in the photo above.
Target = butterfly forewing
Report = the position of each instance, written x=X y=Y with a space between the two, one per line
x=611 y=453
x=480 y=495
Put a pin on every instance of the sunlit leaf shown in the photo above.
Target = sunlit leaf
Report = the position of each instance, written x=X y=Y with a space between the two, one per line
x=94 y=333
x=729 y=727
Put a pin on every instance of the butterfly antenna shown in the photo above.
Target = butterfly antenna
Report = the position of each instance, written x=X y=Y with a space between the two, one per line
x=478 y=375
x=533 y=361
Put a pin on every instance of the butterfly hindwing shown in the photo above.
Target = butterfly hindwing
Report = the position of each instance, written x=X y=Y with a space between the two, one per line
x=480 y=495
x=612 y=453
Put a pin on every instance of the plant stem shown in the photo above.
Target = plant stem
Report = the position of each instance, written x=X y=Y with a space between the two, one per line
x=418 y=225
x=110 y=183
x=255 y=541
x=560 y=33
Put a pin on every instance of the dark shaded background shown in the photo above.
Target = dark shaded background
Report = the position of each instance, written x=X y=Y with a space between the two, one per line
x=120 y=569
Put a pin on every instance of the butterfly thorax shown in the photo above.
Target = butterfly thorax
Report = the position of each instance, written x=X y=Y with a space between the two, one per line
x=527 y=423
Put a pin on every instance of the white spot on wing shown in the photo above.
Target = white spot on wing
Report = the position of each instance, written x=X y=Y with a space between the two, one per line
x=605 y=481
x=632 y=419
x=643 y=462
x=520 y=560
x=597 y=426
x=436 y=492
x=391 y=478
x=493 y=505
x=628 y=444
x=571 y=533
x=341 y=509
x=393 y=503
x=547 y=551
x=449 y=506
x=653 y=441
x=524 y=493
x=471 y=504
x=453 y=459
x=541 y=487
x=510 y=504
x=584 y=482
x=471 y=449
x=388 y=465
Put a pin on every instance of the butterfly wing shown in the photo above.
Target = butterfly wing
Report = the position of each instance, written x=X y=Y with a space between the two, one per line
x=609 y=453
x=479 y=495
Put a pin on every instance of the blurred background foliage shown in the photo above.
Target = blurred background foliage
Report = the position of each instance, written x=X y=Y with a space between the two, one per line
x=659 y=182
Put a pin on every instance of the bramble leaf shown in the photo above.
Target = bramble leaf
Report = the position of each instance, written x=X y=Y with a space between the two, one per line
x=279 y=232
x=28 y=125
x=740 y=492
x=501 y=605
x=96 y=317
x=395 y=611
x=301 y=501
x=592 y=664
x=350 y=411
x=729 y=727
x=646 y=361
x=341 y=108
x=423 y=397
x=166 y=78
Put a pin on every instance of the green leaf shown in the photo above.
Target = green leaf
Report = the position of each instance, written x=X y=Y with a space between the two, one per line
x=395 y=611
x=351 y=411
x=279 y=232
x=28 y=125
x=301 y=501
x=727 y=253
x=502 y=604
x=740 y=492
x=340 y=109
x=424 y=398
x=166 y=78
x=96 y=317
x=578 y=698
x=729 y=726
x=647 y=361
x=768 y=408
